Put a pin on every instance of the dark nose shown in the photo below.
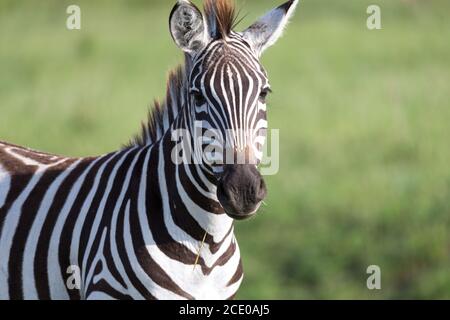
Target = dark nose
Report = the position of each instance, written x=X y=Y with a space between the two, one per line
x=241 y=190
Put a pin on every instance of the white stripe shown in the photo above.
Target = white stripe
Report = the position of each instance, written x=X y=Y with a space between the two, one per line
x=158 y=292
x=58 y=290
x=75 y=242
x=113 y=245
x=98 y=257
x=98 y=296
x=100 y=214
x=189 y=280
x=29 y=285
x=5 y=184
x=217 y=225
x=9 y=229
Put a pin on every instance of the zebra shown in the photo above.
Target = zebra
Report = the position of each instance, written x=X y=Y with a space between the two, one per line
x=134 y=224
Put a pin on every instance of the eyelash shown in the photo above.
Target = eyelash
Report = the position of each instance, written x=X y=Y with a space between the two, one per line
x=263 y=95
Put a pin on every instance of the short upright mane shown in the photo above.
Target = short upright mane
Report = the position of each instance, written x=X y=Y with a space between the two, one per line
x=161 y=116
x=221 y=19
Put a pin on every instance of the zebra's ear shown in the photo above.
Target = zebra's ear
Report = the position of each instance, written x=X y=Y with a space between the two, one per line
x=269 y=28
x=187 y=27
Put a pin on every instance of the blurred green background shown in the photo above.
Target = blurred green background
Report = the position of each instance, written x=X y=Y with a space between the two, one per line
x=364 y=119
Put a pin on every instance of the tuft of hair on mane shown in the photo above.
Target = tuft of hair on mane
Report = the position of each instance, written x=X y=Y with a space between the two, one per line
x=221 y=17
x=160 y=117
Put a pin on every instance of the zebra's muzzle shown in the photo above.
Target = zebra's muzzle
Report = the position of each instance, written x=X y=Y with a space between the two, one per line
x=241 y=190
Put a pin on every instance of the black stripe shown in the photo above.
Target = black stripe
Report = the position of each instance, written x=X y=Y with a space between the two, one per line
x=93 y=209
x=67 y=231
x=17 y=184
x=156 y=222
x=27 y=217
x=41 y=275
x=106 y=218
x=121 y=249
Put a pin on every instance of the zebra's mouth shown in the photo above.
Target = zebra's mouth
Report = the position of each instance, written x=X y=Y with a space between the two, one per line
x=244 y=217
x=240 y=191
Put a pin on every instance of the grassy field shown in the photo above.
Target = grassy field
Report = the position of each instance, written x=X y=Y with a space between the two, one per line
x=364 y=119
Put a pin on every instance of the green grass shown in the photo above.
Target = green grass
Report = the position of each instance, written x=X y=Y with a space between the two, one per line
x=364 y=118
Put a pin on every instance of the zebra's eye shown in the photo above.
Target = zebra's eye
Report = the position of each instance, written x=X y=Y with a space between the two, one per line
x=263 y=95
x=199 y=99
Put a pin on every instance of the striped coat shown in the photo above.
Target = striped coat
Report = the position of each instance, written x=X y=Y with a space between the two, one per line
x=106 y=216
x=135 y=224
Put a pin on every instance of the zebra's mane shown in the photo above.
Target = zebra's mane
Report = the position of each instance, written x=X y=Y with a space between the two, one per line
x=161 y=116
x=221 y=19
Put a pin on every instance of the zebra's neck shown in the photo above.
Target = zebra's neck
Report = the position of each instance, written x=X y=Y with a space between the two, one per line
x=191 y=188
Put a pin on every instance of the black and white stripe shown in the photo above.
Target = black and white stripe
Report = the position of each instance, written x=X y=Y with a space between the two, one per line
x=115 y=218
x=133 y=221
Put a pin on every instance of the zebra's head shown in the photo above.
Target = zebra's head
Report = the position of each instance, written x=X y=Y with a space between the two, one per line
x=226 y=93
